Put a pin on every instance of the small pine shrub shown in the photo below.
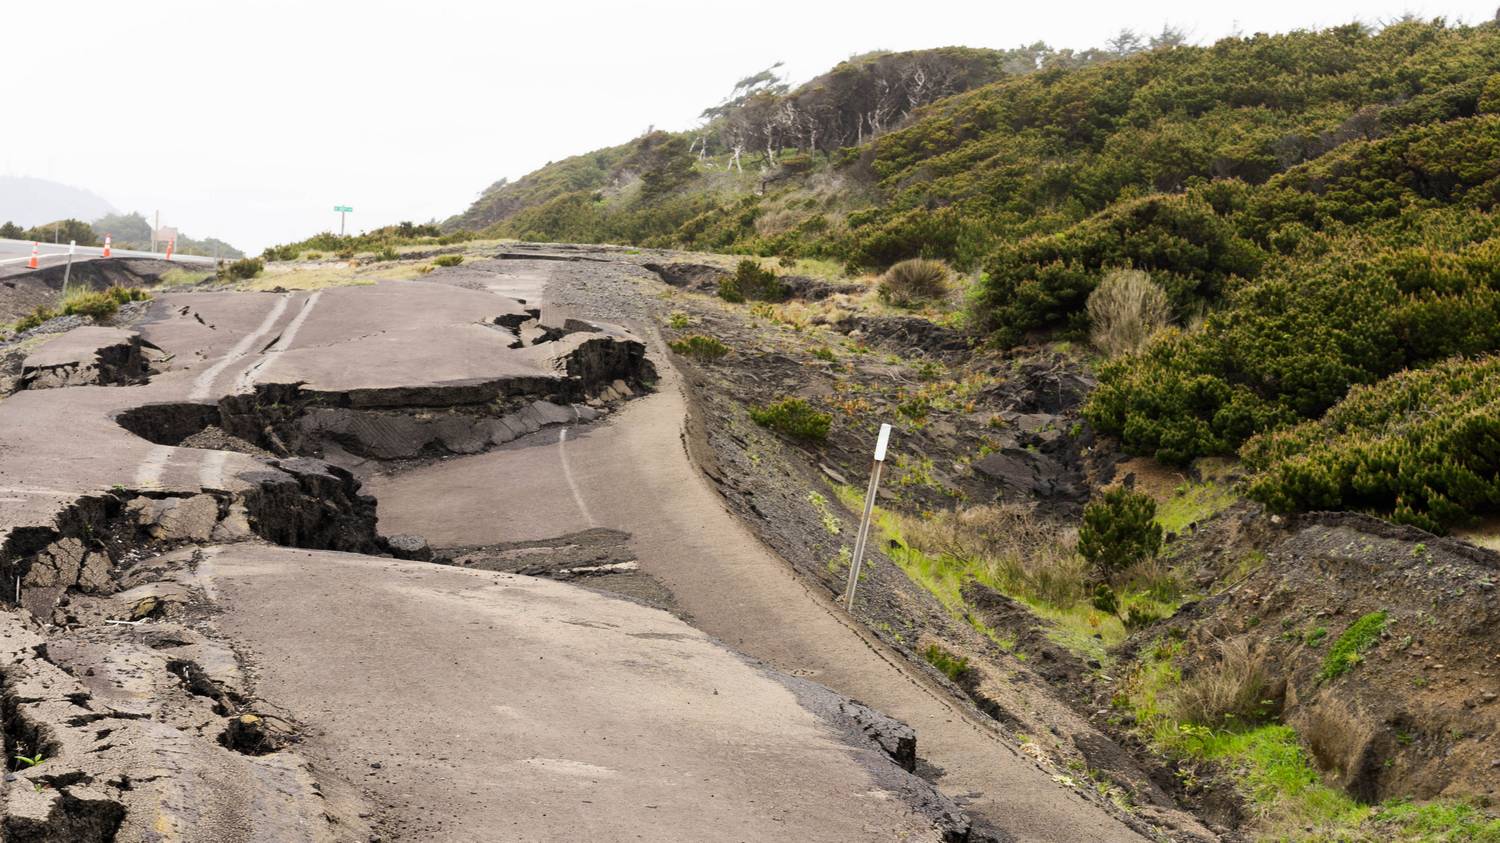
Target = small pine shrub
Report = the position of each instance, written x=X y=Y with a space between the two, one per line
x=244 y=269
x=751 y=283
x=1119 y=530
x=914 y=281
x=699 y=347
x=1125 y=310
x=794 y=417
x=954 y=667
x=678 y=320
x=386 y=253
x=448 y=260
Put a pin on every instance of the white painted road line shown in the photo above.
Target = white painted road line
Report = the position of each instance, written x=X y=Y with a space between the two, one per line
x=203 y=386
x=562 y=456
x=148 y=474
x=211 y=470
x=284 y=343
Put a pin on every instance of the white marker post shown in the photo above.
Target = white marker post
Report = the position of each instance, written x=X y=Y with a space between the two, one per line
x=864 y=523
x=68 y=273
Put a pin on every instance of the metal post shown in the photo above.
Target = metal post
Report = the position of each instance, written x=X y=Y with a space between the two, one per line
x=68 y=273
x=863 y=538
x=341 y=223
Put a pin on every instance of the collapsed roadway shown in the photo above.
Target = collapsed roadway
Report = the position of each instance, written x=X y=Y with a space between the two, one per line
x=212 y=637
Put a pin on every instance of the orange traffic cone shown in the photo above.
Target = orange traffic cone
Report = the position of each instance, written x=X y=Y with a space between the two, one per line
x=31 y=264
x=171 y=244
x=106 y=245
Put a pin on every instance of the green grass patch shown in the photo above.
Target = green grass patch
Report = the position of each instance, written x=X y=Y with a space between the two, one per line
x=448 y=260
x=1275 y=772
x=1350 y=647
x=1071 y=623
x=1194 y=502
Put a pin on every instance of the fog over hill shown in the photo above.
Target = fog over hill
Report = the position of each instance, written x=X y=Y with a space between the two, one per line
x=28 y=201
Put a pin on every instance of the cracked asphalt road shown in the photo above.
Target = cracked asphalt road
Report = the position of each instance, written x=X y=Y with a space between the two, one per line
x=632 y=473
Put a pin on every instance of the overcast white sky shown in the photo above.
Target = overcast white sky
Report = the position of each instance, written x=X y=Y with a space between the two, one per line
x=250 y=120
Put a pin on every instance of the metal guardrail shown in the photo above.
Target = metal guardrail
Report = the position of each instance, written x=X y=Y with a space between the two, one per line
x=19 y=251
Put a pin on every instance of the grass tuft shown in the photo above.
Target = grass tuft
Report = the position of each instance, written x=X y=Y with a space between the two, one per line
x=1350 y=647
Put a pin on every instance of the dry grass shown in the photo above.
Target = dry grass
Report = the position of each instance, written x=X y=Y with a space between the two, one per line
x=1125 y=310
x=1232 y=689
x=914 y=281
x=1008 y=546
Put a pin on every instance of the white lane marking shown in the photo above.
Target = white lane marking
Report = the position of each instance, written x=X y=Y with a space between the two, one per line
x=39 y=258
x=148 y=474
x=562 y=455
x=211 y=470
x=203 y=386
x=258 y=371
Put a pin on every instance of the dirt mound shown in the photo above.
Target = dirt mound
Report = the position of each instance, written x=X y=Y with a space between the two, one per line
x=700 y=278
x=909 y=335
x=1383 y=644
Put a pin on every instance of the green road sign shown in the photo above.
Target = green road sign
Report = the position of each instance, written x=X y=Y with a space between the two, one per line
x=343 y=209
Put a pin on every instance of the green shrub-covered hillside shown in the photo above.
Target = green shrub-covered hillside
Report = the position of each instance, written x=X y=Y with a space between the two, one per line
x=1383 y=256
x=1422 y=447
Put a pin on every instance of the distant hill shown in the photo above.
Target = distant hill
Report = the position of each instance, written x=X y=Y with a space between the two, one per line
x=28 y=202
x=763 y=133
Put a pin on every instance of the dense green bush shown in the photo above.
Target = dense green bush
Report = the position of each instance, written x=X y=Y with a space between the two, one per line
x=1383 y=259
x=244 y=269
x=95 y=304
x=1119 y=530
x=751 y=283
x=1044 y=282
x=401 y=234
x=1351 y=646
x=793 y=417
x=1421 y=447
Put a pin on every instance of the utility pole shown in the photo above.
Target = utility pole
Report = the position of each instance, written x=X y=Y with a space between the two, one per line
x=153 y=231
